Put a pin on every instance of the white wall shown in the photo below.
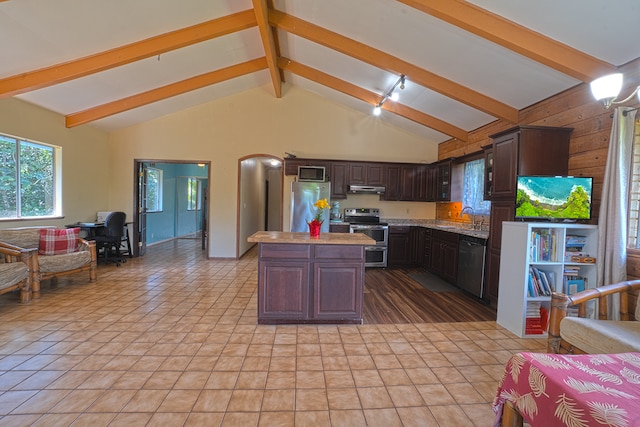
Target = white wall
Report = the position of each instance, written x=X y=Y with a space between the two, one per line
x=255 y=121
x=85 y=161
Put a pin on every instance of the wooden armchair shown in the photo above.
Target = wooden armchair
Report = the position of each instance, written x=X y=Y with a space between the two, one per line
x=579 y=335
x=15 y=270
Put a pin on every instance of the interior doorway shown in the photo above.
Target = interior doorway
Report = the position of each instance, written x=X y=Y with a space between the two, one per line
x=260 y=184
x=170 y=201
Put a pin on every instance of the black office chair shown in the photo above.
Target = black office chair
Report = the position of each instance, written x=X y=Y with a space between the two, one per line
x=111 y=236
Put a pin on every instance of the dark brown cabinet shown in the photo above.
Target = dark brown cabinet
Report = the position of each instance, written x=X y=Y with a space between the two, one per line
x=444 y=255
x=366 y=173
x=522 y=150
x=300 y=283
x=412 y=182
x=426 y=247
x=337 y=284
x=488 y=173
x=398 y=250
x=339 y=180
x=392 y=183
x=406 y=246
x=444 y=181
x=339 y=228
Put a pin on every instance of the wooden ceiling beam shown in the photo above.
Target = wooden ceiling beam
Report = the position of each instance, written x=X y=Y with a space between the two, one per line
x=515 y=37
x=371 y=98
x=144 y=98
x=392 y=64
x=266 y=34
x=122 y=55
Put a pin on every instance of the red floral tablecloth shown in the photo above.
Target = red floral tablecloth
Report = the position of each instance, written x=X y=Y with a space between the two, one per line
x=572 y=390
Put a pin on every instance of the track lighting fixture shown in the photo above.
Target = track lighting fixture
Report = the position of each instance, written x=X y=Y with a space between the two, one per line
x=607 y=89
x=390 y=94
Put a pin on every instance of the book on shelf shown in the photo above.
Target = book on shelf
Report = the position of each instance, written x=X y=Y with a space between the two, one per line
x=575 y=285
x=540 y=282
x=543 y=244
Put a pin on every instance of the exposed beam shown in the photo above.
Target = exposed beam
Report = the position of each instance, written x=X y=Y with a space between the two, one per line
x=515 y=37
x=392 y=64
x=122 y=55
x=266 y=34
x=371 y=98
x=163 y=92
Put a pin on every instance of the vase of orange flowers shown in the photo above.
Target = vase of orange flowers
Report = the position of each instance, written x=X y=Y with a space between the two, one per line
x=316 y=222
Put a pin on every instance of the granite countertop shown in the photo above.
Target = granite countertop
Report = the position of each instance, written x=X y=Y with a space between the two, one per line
x=450 y=226
x=303 y=238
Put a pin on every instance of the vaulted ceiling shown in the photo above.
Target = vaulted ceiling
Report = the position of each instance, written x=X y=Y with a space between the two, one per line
x=120 y=62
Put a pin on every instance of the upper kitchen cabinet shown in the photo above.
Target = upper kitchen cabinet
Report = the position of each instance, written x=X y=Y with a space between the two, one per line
x=444 y=181
x=527 y=150
x=488 y=172
x=366 y=173
x=339 y=176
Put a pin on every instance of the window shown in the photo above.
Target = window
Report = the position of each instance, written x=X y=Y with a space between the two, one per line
x=29 y=181
x=473 y=187
x=154 y=190
x=193 y=201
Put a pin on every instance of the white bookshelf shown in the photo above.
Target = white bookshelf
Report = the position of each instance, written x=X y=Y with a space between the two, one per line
x=521 y=251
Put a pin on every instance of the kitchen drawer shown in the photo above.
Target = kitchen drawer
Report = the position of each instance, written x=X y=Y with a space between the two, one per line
x=285 y=251
x=355 y=252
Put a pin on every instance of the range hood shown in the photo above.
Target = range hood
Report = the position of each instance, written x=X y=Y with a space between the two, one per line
x=366 y=189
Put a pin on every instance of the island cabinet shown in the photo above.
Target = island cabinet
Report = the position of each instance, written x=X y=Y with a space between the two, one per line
x=303 y=282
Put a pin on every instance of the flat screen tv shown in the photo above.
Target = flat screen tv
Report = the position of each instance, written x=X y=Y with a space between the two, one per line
x=553 y=198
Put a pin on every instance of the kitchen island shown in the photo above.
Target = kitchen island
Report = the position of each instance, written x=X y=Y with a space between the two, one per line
x=307 y=280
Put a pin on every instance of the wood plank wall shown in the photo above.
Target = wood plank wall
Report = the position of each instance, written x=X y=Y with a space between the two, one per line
x=574 y=108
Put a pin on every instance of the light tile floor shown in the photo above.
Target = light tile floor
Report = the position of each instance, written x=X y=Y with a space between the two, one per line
x=170 y=339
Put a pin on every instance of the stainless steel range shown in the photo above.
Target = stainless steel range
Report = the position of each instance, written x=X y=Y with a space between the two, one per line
x=367 y=221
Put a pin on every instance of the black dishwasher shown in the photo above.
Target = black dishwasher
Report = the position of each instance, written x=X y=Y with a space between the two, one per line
x=471 y=256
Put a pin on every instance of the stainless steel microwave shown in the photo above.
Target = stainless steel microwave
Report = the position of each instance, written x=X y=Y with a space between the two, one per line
x=312 y=173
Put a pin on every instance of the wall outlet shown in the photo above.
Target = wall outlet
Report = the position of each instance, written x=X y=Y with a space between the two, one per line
x=449 y=214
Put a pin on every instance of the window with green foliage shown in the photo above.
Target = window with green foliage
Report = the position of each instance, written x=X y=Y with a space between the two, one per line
x=473 y=190
x=154 y=190
x=192 y=194
x=28 y=179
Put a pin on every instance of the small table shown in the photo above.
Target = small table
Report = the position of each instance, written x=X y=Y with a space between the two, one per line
x=92 y=228
x=581 y=390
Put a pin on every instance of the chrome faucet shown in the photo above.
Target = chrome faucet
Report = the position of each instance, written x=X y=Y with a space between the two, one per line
x=473 y=215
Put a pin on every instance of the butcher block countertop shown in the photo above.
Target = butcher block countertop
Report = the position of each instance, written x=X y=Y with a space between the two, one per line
x=303 y=238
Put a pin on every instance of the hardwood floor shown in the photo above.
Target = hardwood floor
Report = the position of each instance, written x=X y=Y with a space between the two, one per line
x=391 y=296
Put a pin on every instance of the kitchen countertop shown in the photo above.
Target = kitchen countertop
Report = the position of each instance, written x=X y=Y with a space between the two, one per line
x=303 y=238
x=450 y=226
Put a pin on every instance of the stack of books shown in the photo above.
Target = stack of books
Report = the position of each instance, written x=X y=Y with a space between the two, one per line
x=574 y=246
x=573 y=282
x=537 y=318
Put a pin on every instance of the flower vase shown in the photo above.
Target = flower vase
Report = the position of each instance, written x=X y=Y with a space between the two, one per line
x=314 y=228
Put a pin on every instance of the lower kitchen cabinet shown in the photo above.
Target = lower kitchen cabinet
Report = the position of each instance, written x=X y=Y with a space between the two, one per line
x=398 y=246
x=444 y=255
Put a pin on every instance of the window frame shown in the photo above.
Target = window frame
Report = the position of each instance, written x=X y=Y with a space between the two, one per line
x=480 y=205
x=633 y=220
x=193 y=204
x=159 y=205
x=56 y=176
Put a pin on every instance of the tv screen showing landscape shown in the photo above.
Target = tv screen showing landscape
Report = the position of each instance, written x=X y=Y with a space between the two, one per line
x=554 y=197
